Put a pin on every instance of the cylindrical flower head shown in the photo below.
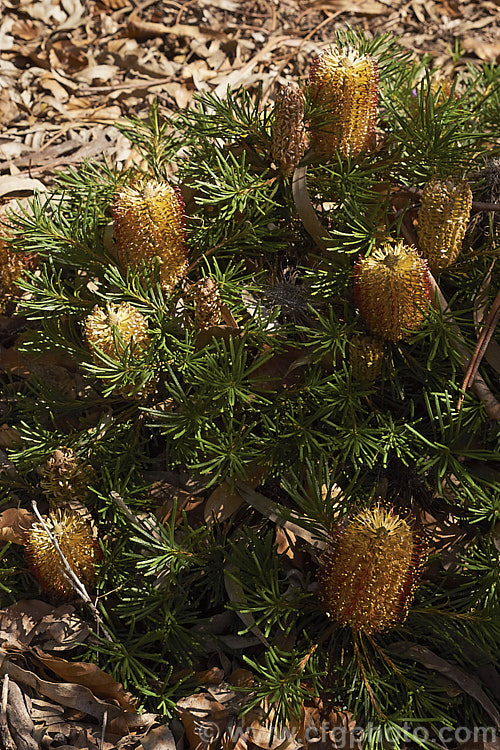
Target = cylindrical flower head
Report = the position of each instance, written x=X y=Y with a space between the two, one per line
x=289 y=136
x=366 y=355
x=370 y=570
x=104 y=329
x=442 y=221
x=74 y=536
x=149 y=223
x=65 y=477
x=392 y=291
x=345 y=85
x=207 y=304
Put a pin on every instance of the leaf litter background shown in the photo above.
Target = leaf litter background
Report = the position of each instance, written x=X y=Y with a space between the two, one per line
x=68 y=71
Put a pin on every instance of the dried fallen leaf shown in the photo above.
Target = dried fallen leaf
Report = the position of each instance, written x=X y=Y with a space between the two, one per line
x=159 y=738
x=241 y=678
x=14 y=523
x=488 y=51
x=8 y=436
x=224 y=501
x=88 y=675
x=14 y=184
x=71 y=695
x=203 y=717
x=468 y=684
x=284 y=542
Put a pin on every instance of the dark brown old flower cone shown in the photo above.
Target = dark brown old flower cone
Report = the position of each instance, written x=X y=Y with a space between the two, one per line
x=289 y=135
x=65 y=477
x=207 y=304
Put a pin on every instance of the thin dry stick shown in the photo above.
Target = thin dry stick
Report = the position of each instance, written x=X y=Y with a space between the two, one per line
x=491 y=405
x=70 y=574
x=104 y=724
x=6 y=740
x=482 y=345
x=476 y=205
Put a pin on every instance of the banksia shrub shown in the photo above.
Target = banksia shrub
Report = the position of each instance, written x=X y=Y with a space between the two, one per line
x=65 y=477
x=370 y=570
x=149 y=223
x=366 y=356
x=207 y=303
x=442 y=221
x=345 y=85
x=113 y=329
x=392 y=291
x=289 y=136
x=74 y=536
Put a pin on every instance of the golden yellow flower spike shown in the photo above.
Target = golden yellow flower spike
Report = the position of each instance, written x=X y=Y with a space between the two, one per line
x=149 y=223
x=392 y=290
x=345 y=85
x=442 y=221
x=370 y=570
x=289 y=136
x=74 y=536
x=101 y=327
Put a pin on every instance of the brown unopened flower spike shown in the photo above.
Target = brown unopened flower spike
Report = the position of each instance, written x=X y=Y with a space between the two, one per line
x=289 y=136
x=65 y=477
x=442 y=221
x=366 y=356
x=11 y=267
x=74 y=536
x=103 y=325
x=345 y=85
x=207 y=303
x=149 y=223
x=392 y=290
x=370 y=570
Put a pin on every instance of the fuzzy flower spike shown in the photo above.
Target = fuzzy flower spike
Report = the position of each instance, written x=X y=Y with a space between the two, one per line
x=345 y=85
x=74 y=536
x=370 y=570
x=103 y=325
x=392 y=291
x=149 y=223
x=442 y=221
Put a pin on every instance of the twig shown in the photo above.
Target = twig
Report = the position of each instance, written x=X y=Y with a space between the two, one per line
x=70 y=574
x=124 y=507
x=482 y=344
x=125 y=86
x=491 y=405
x=476 y=205
x=6 y=740
x=104 y=724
